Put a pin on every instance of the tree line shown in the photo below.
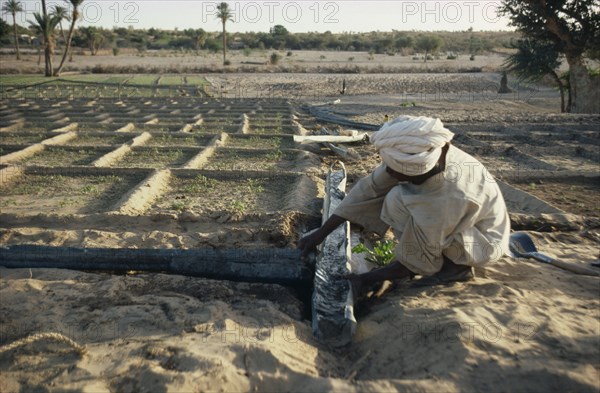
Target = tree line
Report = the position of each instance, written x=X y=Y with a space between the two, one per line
x=278 y=38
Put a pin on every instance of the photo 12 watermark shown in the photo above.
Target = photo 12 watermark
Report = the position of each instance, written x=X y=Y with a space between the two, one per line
x=230 y=332
x=290 y=12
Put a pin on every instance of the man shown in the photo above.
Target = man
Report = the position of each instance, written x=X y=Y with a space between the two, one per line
x=446 y=211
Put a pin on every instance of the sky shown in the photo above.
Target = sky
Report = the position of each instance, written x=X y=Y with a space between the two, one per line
x=297 y=16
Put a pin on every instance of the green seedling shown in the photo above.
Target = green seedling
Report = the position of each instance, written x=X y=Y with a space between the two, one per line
x=238 y=207
x=179 y=206
x=66 y=202
x=199 y=184
x=274 y=156
x=255 y=186
x=89 y=189
x=8 y=202
x=381 y=255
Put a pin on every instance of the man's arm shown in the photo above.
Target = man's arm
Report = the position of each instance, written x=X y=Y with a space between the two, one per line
x=361 y=206
x=309 y=243
x=393 y=271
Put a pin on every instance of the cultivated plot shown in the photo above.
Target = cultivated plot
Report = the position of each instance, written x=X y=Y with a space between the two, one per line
x=55 y=193
x=261 y=141
x=253 y=159
x=99 y=139
x=179 y=139
x=65 y=156
x=236 y=193
x=156 y=157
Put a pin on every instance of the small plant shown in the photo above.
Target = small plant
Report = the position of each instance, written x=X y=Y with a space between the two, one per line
x=7 y=203
x=381 y=255
x=247 y=51
x=322 y=57
x=227 y=63
x=274 y=156
x=89 y=189
x=255 y=186
x=472 y=58
x=274 y=58
x=178 y=205
x=351 y=58
x=116 y=51
x=67 y=202
x=199 y=184
x=238 y=207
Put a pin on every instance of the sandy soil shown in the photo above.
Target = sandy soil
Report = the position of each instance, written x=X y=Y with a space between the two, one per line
x=300 y=60
x=520 y=326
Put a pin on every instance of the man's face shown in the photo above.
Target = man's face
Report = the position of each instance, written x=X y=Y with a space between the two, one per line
x=417 y=180
x=397 y=175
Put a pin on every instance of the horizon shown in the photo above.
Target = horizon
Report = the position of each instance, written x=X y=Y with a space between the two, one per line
x=337 y=17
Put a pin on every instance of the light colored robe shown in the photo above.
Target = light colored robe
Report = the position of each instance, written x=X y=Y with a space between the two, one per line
x=459 y=213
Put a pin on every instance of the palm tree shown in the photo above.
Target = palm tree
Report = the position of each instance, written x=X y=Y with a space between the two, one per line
x=45 y=27
x=12 y=7
x=94 y=38
x=62 y=13
x=74 y=17
x=199 y=37
x=224 y=13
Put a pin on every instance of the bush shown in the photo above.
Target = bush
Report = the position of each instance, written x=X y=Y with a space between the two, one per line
x=247 y=51
x=274 y=58
x=452 y=56
x=227 y=63
x=472 y=58
x=289 y=53
x=115 y=51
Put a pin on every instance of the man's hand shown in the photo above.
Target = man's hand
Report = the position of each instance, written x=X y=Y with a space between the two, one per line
x=356 y=284
x=309 y=243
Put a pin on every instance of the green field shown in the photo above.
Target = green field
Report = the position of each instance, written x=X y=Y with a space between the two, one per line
x=196 y=80
x=143 y=80
x=99 y=85
x=171 y=80
x=22 y=80
x=118 y=79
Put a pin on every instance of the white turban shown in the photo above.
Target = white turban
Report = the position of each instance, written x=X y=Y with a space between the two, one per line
x=411 y=145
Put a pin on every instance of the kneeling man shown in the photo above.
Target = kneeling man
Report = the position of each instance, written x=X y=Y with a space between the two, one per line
x=445 y=210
